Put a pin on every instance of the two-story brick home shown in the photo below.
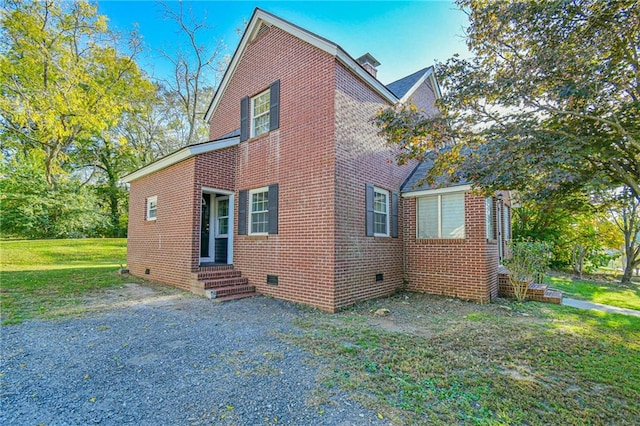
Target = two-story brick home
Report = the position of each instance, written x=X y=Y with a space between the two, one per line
x=296 y=196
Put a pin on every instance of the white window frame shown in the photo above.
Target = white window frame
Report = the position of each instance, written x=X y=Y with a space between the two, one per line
x=386 y=213
x=251 y=211
x=254 y=117
x=150 y=201
x=439 y=198
x=490 y=212
x=217 y=218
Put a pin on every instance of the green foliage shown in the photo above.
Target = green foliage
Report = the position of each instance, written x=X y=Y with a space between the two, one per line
x=580 y=233
x=549 y=104
x=528 y=260
x=32 y=209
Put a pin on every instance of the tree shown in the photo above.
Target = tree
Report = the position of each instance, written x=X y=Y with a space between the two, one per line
x=63 y=79
x=549 y=104
x=625 y=211
x=67 y=82
x=195 y=70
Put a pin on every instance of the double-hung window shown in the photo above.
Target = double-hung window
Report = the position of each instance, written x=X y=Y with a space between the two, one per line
x=441 y=216
x=380 y=212
x=152 y=208
x=259 y=211
x=260 y=113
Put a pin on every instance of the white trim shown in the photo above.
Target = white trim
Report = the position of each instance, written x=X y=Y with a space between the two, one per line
x=386 y=194
x=252 y=117
x=178 y=156
x=231 y=195
x=428 y=73
x=216 y=229
x=458 y=188
x=257 y=191
x=259 y=17
x=152 y=199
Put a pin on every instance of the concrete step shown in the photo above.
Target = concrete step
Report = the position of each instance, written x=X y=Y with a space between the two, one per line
x=234 y=290
x=224 y=282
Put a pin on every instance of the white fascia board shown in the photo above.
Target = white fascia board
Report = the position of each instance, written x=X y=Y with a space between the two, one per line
x=438 y=191
x=259 y=17
x=178 y=156
x=428 y=73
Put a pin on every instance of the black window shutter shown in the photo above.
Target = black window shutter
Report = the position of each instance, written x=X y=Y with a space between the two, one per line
x=273 y=209
x=274 y=105
x=394 y=214
x=242 y=213
x=369 y=207
x=244 y=119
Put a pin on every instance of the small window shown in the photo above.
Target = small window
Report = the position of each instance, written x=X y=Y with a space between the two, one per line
x=259 y=211
x=260 y=116
x=441 y=216
x=380 y=212
x=152 y=208
x=489 y=218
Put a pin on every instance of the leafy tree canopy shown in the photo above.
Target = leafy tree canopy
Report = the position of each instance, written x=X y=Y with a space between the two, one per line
x=63 y=79
x=550 y=102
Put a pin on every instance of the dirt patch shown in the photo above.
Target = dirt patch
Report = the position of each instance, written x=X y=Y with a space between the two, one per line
x=132 y=294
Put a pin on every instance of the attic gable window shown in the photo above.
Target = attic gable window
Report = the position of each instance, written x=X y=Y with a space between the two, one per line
x=260 y=113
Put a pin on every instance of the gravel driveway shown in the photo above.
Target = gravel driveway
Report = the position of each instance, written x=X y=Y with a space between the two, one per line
x=165 y=358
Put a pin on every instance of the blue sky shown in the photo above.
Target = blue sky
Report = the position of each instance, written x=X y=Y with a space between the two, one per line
x=403 y=36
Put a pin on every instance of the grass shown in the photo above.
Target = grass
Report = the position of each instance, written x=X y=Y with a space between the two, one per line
x=41 y=279
x=438 y=361
x=608 y=293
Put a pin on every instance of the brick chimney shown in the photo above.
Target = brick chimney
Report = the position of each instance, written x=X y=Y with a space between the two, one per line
x=369 y=63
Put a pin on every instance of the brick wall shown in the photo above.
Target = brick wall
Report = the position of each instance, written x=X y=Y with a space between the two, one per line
x=162 y=245
x=299 y=156
x=424 y=98
x=362 y=157
x=170 y=246
x=464 y=268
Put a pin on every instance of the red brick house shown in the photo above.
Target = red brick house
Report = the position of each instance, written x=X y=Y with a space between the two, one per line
x=297 y=197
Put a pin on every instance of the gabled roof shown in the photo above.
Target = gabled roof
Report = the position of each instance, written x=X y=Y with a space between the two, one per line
x=405 y=87
x=259 y=18
x=230 y=139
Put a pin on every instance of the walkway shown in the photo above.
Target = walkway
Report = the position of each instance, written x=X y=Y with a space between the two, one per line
x=581 y=304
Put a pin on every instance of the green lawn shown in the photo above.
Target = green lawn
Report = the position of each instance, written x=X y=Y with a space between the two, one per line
x=443 y=361
x=38 y=279
x=608 y=293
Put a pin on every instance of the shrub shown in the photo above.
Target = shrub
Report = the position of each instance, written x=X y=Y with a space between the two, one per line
x=529 y=260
